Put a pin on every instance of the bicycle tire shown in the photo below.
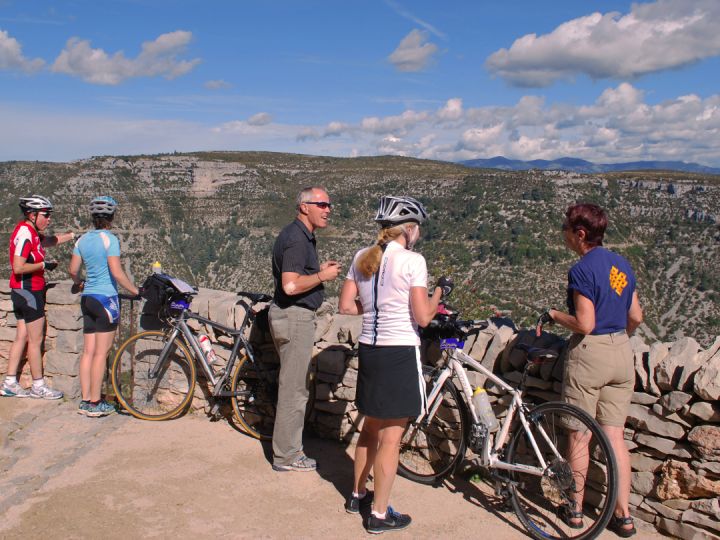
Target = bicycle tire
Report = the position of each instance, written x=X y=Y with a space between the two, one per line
x=538 y=501
x=163 y=397
x=430 y=451
x=254 y=396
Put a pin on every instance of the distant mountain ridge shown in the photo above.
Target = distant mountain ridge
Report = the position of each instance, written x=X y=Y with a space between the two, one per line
x=583 y=166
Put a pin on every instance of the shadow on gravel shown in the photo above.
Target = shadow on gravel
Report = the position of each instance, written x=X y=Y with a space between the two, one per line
x=334 y=464
x=472 y=492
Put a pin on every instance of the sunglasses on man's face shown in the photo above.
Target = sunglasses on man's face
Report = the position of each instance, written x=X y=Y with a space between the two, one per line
x=321 y=205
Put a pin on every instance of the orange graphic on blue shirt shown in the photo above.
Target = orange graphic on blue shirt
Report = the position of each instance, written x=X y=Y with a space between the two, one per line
x=618 y=280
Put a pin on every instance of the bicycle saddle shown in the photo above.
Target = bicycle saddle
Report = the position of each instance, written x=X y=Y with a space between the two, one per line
x=537 y=352
x=255 y=297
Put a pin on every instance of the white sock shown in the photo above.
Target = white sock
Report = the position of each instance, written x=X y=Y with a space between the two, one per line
x=11 y=379
x=39 y=383
x=380 y=516
x=358 y=496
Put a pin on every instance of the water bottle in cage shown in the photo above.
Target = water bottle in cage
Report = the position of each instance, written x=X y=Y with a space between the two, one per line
x=484 y=409
x=206 y=346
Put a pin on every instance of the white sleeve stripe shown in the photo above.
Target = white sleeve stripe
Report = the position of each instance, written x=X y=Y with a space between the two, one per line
x=21 y=238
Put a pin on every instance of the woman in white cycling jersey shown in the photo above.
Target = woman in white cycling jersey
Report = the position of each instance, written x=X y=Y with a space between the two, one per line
x=99 y=250
x=387 y=284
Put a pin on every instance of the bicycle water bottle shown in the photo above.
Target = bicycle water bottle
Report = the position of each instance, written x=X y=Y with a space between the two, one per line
x=484 y=409
x=156 y=267
x=206 y=346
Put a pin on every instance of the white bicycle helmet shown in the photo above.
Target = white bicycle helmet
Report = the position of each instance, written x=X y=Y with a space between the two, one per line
x=103 y=206
x=35 y=203
x=397 y=210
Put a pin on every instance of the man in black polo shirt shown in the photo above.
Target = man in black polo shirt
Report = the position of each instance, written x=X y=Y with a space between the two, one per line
x=299 y=291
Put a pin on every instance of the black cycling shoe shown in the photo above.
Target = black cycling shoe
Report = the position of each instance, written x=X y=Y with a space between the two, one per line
x=394 y=521
x=354 y=504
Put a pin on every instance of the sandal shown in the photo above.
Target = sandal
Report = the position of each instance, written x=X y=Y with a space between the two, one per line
x=616 y=525
x=567 y=514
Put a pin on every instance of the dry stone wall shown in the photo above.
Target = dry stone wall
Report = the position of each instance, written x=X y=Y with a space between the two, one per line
x=673 y=428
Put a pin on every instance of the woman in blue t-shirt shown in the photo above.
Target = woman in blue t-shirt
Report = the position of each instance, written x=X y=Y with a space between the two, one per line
x=599 y=372
x=99 y=251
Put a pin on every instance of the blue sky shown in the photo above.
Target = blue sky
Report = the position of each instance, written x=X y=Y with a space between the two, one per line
x=606 y=81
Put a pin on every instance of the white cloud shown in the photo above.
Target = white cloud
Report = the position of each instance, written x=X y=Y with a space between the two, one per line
x=260 y=119
x=159 y=57
x=620 y=125
x=409 y=16
x=11 y=56
x=656 y=36
x=217 y=84
x=413 y=53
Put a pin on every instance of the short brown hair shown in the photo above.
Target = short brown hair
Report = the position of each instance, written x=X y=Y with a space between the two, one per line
x=587 y=217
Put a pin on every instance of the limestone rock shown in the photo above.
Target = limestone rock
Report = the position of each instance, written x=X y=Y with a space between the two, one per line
x=322 y=325
x=642 y=483
x=643 y=398
x=678 y=481
x=65 y=317
x=71 y=342
x=675 y=400
x=644 y=463
x=641 y=418
x=658 y=410
x=346 y=393
x=658 y=352
x=683 y=530
x=59 y=293
x=70 y=386
x=697 y=518
x=661 y=447
x=706 y=440
x=345 y=329
x=501 y=338
x=707 y=379
x=709 y=412
x=681 y=357
x=62 y=363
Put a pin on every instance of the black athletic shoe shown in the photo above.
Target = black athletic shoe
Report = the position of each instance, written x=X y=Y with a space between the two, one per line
x=393 y=521
x=354 y=504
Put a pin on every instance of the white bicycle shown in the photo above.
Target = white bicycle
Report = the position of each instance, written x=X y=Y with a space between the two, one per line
x=529 y=457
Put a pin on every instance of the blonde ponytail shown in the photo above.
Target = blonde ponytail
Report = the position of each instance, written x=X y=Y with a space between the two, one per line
x=369 y=262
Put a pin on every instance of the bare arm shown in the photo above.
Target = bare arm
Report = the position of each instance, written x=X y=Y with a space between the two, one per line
x=349 y=303
x=74 y=269
x=423 y=309
x=635 y=314
x=21 y=266
x=119 y=274
x=584 y=320
x=50 y=241
x=293 y=283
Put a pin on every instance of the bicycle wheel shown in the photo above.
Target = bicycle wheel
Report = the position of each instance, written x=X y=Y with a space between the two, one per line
x=254 y=395
x=430 y=450
x=541 y=501
x=163 y=396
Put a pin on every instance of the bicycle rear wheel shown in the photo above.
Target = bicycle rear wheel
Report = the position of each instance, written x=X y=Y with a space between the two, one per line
x=430 y=450
x=541 y=501
x=254 y=395
x=148 y=397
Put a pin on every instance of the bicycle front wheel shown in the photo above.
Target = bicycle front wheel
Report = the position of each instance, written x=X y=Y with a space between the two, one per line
x=147 y=390
x=254 y=395
x=431 y=449
x=582 y=470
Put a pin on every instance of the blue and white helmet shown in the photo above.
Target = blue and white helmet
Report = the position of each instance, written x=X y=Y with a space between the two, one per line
x=103 y=206
x=396 y=210
x=35 y=203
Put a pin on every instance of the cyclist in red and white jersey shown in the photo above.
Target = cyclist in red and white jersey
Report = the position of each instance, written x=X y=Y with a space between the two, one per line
x=27 y=284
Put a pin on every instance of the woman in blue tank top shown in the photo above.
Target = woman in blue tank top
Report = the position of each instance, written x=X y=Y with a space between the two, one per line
x=99 y=251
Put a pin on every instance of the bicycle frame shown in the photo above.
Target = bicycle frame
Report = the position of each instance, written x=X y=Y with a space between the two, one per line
x=488 y=458
x=180 y=327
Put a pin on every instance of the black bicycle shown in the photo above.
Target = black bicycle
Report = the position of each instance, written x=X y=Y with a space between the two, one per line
x=154 y=372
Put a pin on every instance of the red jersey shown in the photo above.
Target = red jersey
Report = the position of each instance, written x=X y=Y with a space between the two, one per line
x=26 y=242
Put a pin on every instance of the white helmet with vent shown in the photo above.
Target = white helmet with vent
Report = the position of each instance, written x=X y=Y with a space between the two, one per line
x=396 y=210
x=103 y=206
x=35 y=203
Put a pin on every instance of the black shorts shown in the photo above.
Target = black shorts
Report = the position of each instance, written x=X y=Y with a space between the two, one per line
x=28 y=306
x=100 y=313
x=390 y=382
